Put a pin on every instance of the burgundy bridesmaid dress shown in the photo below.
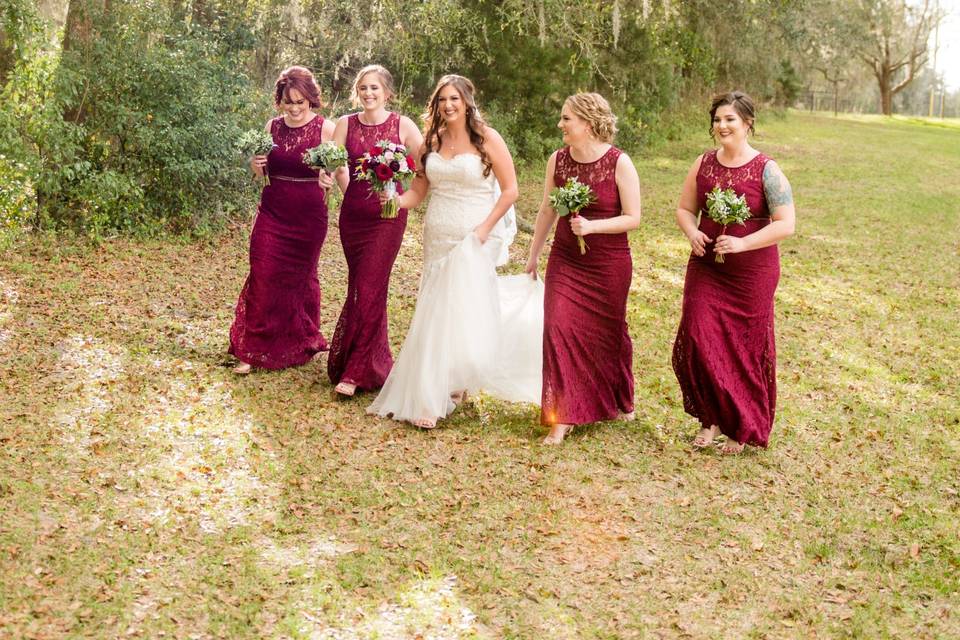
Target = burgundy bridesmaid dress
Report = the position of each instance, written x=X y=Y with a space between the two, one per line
x=277 y=322
x=360 y=348
x=587 y=352
x=724 y=354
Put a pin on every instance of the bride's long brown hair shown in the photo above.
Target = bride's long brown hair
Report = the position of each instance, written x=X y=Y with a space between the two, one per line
x=433 y=121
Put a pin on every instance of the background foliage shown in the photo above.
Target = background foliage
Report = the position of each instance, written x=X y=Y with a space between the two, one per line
x=120 y=115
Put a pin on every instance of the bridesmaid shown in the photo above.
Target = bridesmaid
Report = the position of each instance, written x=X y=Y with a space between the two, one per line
x=587 y=352
x=360 y=350
x=277 y=321
x=724 y=354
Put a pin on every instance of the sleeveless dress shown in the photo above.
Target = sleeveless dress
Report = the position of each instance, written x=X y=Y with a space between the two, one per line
x=724 y=355
x=277 y=320
x=360 y=347
x=587 y=352
x=471 y=329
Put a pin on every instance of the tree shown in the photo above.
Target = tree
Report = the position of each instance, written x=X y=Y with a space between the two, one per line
x=893 y=42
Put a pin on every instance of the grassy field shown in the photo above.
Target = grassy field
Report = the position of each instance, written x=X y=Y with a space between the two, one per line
x=147 y=492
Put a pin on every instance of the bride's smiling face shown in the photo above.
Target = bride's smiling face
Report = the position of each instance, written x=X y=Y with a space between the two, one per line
x=450 y=104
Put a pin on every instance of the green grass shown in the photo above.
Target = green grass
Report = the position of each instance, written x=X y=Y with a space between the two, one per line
x=145 y=491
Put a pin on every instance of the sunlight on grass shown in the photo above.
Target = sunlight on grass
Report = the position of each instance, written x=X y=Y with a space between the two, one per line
x=671 y=278
x=307 y=554
x=427 y=609
x=87 y=368
x=204 y=471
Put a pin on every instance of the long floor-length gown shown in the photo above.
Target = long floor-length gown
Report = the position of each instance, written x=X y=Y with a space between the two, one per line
x=360 y=347
x=277 y=320
x=471 y=329
x=725 y=353
x=587 y=351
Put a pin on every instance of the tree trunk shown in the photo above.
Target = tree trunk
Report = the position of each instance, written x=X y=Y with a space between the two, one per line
x=79 y=34
x=6 y=58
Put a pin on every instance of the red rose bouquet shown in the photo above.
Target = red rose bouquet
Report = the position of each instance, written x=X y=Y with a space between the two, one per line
x=383 y=166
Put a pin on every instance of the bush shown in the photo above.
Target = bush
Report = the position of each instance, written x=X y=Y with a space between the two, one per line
x=134 y=131
x=18 y=204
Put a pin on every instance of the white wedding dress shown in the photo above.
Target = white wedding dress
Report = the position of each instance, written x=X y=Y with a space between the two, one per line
x=472 y=329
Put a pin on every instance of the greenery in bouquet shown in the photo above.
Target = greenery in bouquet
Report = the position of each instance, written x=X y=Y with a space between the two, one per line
x=570 y=199
x=328 y=156
x=256 y=142
x=725 y=207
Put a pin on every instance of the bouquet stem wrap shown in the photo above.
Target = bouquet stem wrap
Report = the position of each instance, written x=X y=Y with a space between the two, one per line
x=580 y=240
x=390 y=209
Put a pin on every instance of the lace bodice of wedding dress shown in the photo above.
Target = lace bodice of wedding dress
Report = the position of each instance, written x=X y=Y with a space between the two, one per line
x=461 y=197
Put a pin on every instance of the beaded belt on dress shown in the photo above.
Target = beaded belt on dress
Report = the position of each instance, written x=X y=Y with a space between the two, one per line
x=292 y=179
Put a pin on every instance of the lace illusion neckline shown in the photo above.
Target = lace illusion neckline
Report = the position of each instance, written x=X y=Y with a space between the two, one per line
x=716 y=157
x=305 y=124
x=379 y=124
x=575 y=161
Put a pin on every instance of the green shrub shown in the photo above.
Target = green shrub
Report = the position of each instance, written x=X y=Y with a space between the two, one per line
x=18 y=204
x=133 y=132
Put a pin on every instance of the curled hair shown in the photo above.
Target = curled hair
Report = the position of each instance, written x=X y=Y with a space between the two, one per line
x=301 y=79
x=595 y=110
x=741 y=103
x=433 y=120
x=386 y=79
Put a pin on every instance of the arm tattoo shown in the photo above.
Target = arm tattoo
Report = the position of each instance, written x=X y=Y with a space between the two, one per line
x=775 y=187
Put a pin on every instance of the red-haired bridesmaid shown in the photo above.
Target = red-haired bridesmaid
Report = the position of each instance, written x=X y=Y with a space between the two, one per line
x=587 y=352
x=277 y=322
x=725 y=355
x=360 y=355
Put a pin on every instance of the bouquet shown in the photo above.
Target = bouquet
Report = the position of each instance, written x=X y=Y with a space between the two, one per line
x=328 y=157
x=569 y=200
x=256 y=142
x=385 y=164
x=726 y=207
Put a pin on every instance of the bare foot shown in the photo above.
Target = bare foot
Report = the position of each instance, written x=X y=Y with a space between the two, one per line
x=705 y=438
x=242 y=369
x=557 y=433
x=732 y=447
x=425 y=423
x=346 y=389
x=627 y=417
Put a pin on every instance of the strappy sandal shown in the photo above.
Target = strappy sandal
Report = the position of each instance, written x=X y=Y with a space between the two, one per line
x=552 y=440
x=345 y=388
x=732 y=448
x=706 y=437
x=425 y=423
x=459 y=397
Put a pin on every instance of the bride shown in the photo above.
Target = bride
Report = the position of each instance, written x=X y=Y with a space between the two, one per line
x=471 y=329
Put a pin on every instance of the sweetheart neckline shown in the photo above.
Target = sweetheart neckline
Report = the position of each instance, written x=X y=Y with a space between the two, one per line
x=457 y=155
